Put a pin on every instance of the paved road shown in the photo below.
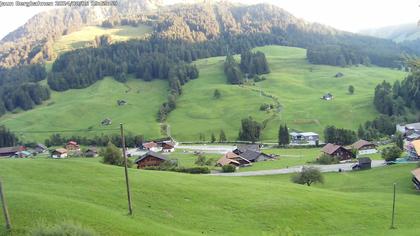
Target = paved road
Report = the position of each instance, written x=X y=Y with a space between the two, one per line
x=323 y=168
x=218 y=149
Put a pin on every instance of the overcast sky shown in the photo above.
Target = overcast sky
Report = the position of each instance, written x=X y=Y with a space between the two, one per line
x=350 y=15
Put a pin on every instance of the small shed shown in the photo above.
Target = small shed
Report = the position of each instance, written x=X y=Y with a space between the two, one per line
x=364 y=163
x=150 y=159
x=327 y=97
x=106 y=122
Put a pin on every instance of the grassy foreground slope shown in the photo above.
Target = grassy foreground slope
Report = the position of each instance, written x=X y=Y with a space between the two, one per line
x=92 y=194
x=80 y=109
x=297 y=84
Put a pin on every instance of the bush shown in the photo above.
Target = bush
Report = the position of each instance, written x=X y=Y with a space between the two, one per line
x=63 y=229
x=266 y=107
x=308 y=176
x=228 y=168
x=391 y=153
x=195 y=170
x=326 y=160
x=113 y=156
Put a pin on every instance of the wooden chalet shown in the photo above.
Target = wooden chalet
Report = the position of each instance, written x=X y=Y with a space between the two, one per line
x=59 y=153
x=168 y=147
x=72 y=146
x=151 y=146
x=416 y=178
x=364 y=147
x=337 y=151
x=150 y=159
x=11 y=151
x=233 y=158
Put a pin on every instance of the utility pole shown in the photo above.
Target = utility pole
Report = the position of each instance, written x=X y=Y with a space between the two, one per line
x=4 y=206
x=130 y=209
x=393 y=208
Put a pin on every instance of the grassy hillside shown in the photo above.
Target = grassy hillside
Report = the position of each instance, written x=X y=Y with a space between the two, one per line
x=297 y=84
x=86 y=108
x=86 y=35
x=84 y=191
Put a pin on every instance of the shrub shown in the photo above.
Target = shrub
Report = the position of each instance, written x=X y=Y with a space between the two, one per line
x=228 y=168
x=308 y=176
x=63 y=229
x=195 y=170
x=113 y=156
x=326 y=160
x=391 y=153
x=201 y=160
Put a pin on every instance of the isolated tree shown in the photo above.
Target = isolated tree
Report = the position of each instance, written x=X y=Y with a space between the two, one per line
x=217 y=94
x=308 y=176
x=112 y=155
x=222 y=136
x=351 y=89
x=399 y=141
x=284 y=138
x=391 y=153
x=201 y=160
x=213 y=138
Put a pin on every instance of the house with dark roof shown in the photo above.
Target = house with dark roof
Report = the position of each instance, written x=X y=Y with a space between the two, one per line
x=150 y=159
x=40 y=148
x=337 y=151
x=364 y=147
x=255 y=156
x=244 y=147
x=10 y=151
x=91 y=152
x=237 y=160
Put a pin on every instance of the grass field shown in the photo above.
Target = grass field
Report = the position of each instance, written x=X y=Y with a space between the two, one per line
x=86 y=108
x=298 y=85
x=86 y=35
x=92 y=194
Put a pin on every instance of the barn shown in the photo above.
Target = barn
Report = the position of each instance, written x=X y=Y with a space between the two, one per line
x=150 y=159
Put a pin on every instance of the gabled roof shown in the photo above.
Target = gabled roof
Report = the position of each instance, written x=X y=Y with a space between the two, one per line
x=61 y=150
x=11 y=149
x=250 y=155
x=72 y=143
x=254 y=147
x=416 y=173
x=416 y=145
x=361 y=143
x=153 y=154
x=40 y=145
x=226 y=161
x=330 y=148
x=149 y=145
x=92 y=149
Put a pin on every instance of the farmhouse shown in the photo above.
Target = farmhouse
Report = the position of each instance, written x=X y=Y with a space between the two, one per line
x=364 y=163
x=235 y=157
x=416 y=178
x=40 y=148
x=10 y=151
x=364 y=147
x=306 y=137
x=59 y=153
x=91 y=152
x=72 y=146
x=255 y=156
x=150 y=159
x=151 y=146
x=337 y=151
x=414 y=150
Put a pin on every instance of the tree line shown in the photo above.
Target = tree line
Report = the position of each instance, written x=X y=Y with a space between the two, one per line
x=7 y=138
x=251 y=65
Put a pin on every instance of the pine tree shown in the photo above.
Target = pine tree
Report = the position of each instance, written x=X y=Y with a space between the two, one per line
x=222 y=136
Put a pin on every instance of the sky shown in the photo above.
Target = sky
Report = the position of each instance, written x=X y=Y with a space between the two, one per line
x=349 y=15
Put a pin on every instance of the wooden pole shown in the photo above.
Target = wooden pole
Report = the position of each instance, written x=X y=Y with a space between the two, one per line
x=4 y=206
x=130 y=209
x=393 y=208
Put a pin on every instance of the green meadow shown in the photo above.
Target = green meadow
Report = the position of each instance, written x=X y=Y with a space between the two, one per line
x=85 y=36
x=296 y=84
x=92 y=194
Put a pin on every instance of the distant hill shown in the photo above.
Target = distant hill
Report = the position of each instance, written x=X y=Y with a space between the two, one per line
x=397 y=33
